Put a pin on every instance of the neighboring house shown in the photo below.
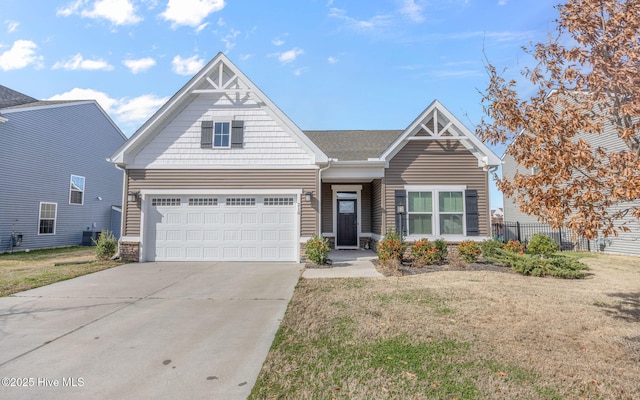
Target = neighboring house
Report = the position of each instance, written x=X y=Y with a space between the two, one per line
x=220 y=173
x=497 y=215
x=625 y=243
x=56 y=182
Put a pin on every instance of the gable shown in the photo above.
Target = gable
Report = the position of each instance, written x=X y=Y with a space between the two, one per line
x=436 y=123
x=220 y=92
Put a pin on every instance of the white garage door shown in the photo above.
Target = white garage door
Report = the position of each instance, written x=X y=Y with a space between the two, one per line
x=222 y=228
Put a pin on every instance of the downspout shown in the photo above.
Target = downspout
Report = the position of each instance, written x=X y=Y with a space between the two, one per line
x=320 y=195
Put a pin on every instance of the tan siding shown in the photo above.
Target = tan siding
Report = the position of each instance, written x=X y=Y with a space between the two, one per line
x=365 y=202
x=376 y=207
x=220 y=180
x=327 y=208
x=437 y=163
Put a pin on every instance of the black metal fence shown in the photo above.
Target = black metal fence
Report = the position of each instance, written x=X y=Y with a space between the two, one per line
x=566 y=239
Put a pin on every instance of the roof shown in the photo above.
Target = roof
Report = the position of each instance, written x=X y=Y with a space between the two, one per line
x=40 y=103
x=352 y=145
x=10 y=98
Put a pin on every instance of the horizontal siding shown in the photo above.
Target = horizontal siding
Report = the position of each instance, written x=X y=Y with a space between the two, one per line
x=39 y=151
x=376 y=207
x=178 y=142
x=327 y=208
x=366 y=208
x=305 y=179
x=436 y=163
x=511 y=211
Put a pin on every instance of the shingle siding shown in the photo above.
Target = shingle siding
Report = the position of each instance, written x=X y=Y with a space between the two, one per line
x=39 y=151
x=436 y=163
x=220 y=180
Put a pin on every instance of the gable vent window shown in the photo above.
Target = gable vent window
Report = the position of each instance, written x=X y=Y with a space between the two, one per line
x=165 y=202
x=241 y=201
x=203 y=201
x=76 y=190
x=278 y=201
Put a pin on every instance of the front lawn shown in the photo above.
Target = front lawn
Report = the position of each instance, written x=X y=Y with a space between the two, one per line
x=21 y=271
x=461 y=334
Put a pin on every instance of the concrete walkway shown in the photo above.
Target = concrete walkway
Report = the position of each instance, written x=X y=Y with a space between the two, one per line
x=346 y=264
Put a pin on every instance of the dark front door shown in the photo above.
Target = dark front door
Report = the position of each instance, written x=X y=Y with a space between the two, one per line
x=347 y=223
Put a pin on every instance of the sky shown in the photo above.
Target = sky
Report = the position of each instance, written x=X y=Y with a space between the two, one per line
x=327 y=64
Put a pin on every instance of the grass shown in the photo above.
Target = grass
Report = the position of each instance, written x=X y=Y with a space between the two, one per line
x=372 y=349
x=21 y=271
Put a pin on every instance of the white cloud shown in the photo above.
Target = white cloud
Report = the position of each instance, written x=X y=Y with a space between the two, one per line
x=11 y=26
x=128 y=113
x=187 y=66
x=289 y=56
x=374 y=22
x=20 y=55
x=332 y=60
x=139 y=65
x=190 y=12
x=78 y=62
x=412 y=10
x=502 y=2
x=277 y=42
x=118 y=12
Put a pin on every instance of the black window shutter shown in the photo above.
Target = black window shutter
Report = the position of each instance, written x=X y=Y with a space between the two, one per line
x=237 y=134
x=471 y=208
x=401 y=198
x=206 y=134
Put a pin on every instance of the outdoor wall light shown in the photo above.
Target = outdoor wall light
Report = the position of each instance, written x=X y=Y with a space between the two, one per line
x=400 y=209
x=132 y=196
x=307 y=196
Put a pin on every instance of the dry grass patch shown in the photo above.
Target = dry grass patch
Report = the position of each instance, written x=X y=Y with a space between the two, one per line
x=23 y=271
x=466 y=335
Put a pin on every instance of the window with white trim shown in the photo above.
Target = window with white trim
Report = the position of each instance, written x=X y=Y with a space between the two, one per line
x=203 y=201
x=435 y=212
x=47 y=218
x=241 y=201
x=76 y=190
x=278 y=201
x=221 y=134
x=165 y=202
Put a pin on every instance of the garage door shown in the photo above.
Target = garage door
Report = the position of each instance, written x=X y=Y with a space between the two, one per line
x=222 y=228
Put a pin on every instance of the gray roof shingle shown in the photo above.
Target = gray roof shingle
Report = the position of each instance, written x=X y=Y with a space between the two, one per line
x=353 y=145
x=11 y=98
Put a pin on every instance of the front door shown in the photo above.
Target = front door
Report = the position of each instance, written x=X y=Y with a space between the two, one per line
x=347 y=222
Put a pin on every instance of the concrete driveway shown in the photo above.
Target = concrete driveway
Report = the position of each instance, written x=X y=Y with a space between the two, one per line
x=141 y=331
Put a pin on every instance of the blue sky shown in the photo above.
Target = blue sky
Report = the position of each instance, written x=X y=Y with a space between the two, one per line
x=328 y=64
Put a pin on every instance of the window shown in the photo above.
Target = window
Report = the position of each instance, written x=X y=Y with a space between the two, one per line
x=420 y=213
x=241 y=201
x=278 y=201
x=451 y=212
x=76 y=190
x=165 y=202
x=47 y=219
x=221 y=134
x=436 y=212
x=203 y=201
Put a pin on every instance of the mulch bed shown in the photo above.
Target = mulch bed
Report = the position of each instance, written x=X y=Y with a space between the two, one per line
x=408 y=268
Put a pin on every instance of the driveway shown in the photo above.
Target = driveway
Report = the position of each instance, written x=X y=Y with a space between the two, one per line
x=150 y=330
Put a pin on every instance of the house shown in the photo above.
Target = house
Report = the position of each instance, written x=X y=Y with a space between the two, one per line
x=625 y=243
x=221 y=173
x=57 y=187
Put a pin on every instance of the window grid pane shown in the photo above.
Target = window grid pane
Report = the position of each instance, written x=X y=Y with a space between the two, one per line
x=241 y=201
x=172 y=202
x=420 y=224
x=451 y=224
x=204 y=201
x=420 y=202
x=221 y=134
x=450 y=202
x=278 y=201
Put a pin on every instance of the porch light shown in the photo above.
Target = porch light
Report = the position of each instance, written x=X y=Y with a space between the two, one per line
x=132 y=196
x=400 y=209
x=307 y=196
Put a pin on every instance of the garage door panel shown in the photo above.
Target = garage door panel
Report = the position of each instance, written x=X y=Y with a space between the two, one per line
x=250 y=228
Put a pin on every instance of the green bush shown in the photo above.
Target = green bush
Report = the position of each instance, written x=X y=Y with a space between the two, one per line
x=542 y=245
x=428 y=253
x=556 y=266
x=106 y=246
x=317 y=249
x=391 y=247
x=469 y=251
x=490 y=246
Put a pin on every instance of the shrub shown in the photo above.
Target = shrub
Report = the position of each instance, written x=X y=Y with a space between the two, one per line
x=391 y=247
x=428 y=253
x=317 y=249
x=514 y=246
x=542 y=245
x=555 y=266
x=469 y=251
x=106 y=246
x=490 y=246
